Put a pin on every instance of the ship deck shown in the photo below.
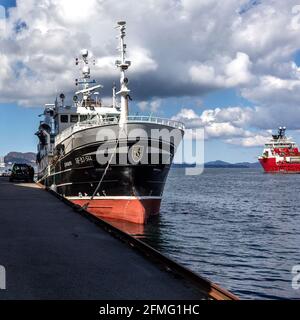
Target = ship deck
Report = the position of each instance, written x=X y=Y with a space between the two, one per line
x=51 y=252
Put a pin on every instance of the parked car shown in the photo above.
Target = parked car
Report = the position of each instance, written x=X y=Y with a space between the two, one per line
x=21 y=171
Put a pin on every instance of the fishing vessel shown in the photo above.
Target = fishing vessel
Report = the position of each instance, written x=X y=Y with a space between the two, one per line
x=113 y=164
x=281 y=154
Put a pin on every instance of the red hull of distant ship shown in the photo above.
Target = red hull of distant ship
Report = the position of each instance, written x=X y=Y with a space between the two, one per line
x=270 y=166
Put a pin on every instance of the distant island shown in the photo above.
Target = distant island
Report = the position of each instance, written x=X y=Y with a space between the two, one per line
x=183 y=165
x=19 y=157
x=223 y=164
x=220 y=164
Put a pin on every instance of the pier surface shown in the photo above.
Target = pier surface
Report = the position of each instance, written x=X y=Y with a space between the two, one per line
x=51 y=252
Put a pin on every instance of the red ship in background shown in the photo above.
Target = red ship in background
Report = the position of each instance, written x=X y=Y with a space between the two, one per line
x=281 y=154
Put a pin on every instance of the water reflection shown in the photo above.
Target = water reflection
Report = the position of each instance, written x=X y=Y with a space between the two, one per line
x=149 y=233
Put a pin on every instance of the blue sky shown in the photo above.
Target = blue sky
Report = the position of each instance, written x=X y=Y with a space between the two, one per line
x=218 y=65
x=8 y=3
x=17 y=128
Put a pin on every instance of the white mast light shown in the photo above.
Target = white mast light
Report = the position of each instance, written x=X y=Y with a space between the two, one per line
x=84 y=53
x=86 y=70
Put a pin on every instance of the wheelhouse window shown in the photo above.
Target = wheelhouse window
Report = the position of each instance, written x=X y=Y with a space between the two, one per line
x=83 y=117
x=74 y=118
x=64 y=118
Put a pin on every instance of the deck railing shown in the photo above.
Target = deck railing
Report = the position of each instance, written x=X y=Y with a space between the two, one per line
x=114 y=120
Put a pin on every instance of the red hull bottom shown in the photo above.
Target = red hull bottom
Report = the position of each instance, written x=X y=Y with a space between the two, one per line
x=270 y=166
x=130 y=209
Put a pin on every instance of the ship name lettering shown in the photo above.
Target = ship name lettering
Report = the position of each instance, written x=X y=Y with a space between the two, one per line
x=68 y=164
x=84 y=159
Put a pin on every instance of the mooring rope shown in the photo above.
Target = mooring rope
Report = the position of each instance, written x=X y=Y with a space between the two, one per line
x=85 y=206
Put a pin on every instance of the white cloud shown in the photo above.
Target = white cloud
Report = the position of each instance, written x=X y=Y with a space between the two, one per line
x=2 y=20
x=214 y=122
x=238 y=116
x=5 y=69
x=187 y=114
x=271 y=90
x=234 y=73
x=256 y=140
x=152 y=105
x=142 y=61
x=76 y=12
x=155 y=104
x=203 y=74
x=223 y=129
x=229 y=124
x=237 y=71
x=143 y=105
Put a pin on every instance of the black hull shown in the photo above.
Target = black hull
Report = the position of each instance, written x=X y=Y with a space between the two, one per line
x=78 y=173
x=126 y=182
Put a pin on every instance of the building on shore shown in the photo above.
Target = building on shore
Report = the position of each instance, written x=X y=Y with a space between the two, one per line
x=2 y=164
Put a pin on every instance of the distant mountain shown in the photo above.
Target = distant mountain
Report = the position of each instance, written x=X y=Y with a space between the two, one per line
x=183 y=165
x=223 y=164
x=250 y=164
x=19 y=157
x=219 y=164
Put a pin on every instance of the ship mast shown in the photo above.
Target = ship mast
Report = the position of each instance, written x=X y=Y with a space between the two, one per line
x=123 y=65
x=114 y=97
x=281 y=132
x=85 y=82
